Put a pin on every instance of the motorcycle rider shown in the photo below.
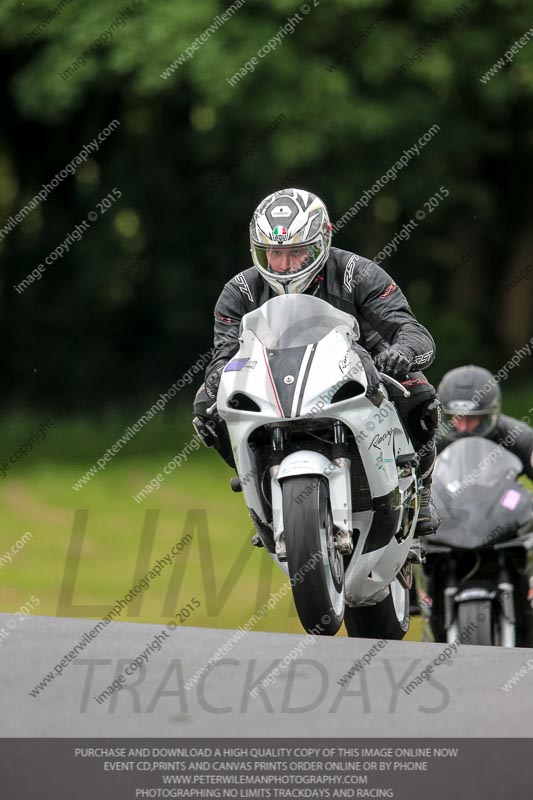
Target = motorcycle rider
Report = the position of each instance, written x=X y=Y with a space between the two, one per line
x=471 y=406
x=290 y=239
x=471 y=401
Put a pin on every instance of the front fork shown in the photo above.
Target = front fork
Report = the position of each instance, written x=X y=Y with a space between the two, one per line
x=507 y=617
x=343 y=540
x=277 y=439
x=504 y=594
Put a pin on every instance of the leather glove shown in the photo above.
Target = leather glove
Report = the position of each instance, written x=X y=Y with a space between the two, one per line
x=393 y=362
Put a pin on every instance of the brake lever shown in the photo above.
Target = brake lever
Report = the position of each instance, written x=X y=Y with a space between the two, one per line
x=403 y=390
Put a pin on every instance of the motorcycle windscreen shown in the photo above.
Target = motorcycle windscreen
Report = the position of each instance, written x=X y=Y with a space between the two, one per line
x=295 y=320
x=476 y=495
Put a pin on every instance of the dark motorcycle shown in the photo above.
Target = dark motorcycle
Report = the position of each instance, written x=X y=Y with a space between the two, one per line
x=478 y=572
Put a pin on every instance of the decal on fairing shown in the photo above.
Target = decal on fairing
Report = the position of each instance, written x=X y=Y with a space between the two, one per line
x=237 y=364
x=380 y=438
x=510 y=499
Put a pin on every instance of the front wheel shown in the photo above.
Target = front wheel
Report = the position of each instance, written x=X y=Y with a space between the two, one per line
x=315 y=565
x=386 y=620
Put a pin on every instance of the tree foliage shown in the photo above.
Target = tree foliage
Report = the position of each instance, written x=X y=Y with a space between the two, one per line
x=331 y=108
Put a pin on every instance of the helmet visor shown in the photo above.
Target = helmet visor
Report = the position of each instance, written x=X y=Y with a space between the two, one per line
x=458 y=425
x=282 y=260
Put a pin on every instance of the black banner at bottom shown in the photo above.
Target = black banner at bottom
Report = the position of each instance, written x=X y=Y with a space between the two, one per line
x=127 y=769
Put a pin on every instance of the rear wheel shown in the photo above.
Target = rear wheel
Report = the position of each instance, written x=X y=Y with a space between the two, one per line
x=318 y=583
x=475 y=622
x=386 y=620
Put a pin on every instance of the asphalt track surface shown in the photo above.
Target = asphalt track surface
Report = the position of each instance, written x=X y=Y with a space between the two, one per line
x=464 y=698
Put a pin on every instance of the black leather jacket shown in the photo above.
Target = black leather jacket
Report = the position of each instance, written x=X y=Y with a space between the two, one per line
x=349 y=282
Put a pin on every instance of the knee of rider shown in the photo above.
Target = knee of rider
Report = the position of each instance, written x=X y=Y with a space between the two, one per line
x=421 y=434
x=432 y=413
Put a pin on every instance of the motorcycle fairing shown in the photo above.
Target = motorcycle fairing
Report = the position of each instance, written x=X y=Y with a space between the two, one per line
x=301 y=354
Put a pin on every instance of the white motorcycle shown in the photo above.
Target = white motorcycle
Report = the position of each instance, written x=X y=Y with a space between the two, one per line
x=325 y=466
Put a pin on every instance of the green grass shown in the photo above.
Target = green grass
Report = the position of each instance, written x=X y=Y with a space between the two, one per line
x=36 y=496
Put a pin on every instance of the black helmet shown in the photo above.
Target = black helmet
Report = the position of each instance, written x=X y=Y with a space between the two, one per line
x=469 y=395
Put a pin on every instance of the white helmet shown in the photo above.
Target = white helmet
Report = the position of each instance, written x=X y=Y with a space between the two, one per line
x=290 y=237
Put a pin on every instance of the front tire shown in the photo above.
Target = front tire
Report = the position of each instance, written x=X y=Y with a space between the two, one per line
x=385 y=620
x=475 y=619
x=318 y=590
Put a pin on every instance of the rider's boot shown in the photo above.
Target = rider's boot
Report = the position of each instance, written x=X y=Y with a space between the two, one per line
x=428 y=519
